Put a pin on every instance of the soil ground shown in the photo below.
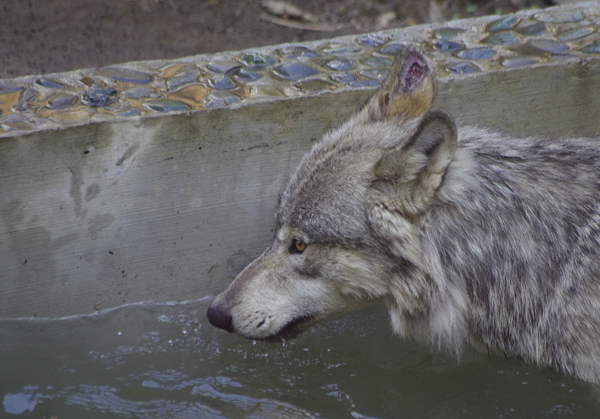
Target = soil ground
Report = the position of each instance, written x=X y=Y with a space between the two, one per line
x=47 y=36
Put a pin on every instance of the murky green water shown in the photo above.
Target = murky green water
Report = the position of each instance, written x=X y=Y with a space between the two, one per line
x=166 y=361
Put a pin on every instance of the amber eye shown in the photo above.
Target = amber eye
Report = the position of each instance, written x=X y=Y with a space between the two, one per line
x=299 y=245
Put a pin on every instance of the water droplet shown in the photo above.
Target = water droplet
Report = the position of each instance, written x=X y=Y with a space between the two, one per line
x=294 y=71
x=593 y=48
x=244 y=75
x=371 y=40
x=504 y=38
x=447 y=33
x=533 y=30
x=391 y=49
x=166 y=105
x=461 y=68
x=99 y=97
x=342 y=77
x=126 y=75
x=562 y=16
x=520 y=61
x=220 y=98
x=254 y=59
x=315 y=85
x=221 y=82
x=185 y=74
x=364 y=83
x=503 y=24
x=377 y=62
x=296 y=51
x=447 y=46
x=576 y=33
x=61 y=101
x=548 y=46
x=378 y=74
x=477 y=54
x=119 y=333
x=341 y=49
x=341 y=65
x=51 y=84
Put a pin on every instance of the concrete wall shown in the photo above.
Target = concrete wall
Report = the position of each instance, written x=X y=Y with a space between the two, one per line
x=171 y=207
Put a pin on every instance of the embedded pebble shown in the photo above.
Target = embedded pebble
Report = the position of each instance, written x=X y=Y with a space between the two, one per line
x=593 y=48
x=244 y=75
x=255 y=59
x=533 y=30
x=447 y=33
x=266 y=91
x=549 y=46
x=126 y=75
x=377 y=62
x=576 y=33
x=461 y=68
x=343 y=77
x=221 y=82
x=61 y=101
x=220 y=98
x=297 y=51
x=51 y=84
x=186 y=74
x=364 y=83
x=503 y=24
x=294 y=71
x=226 y=68
x=563 y=16
x=99 y=97
x=138 y=92
x=391 y=49
x=477 y=54
x=371 y=40
x=28 y=95
x=341 y=65
x=341 y=49
x=447 y=46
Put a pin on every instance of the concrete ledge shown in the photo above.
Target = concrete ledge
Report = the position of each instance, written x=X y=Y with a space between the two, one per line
x=155 y=181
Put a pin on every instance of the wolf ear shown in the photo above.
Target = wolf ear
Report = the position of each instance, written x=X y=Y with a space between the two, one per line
x=408 y=175
x=407 y=92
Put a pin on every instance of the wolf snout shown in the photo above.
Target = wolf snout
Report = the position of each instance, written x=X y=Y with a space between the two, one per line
x=219 y=317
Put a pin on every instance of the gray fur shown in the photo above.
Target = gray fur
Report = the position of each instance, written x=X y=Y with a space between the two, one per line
x=468 y=235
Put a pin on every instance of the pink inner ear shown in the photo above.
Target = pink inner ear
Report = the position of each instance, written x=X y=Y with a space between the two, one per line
x=414 y=73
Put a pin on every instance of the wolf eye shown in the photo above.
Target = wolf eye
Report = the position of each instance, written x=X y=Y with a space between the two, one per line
x=298 y=246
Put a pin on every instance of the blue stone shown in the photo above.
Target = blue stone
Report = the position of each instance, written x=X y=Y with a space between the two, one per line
x=26 y=96
x=222 y=82
x=365 y=83
x=185 y=74
x=166 y=105
x=61 y=101
x=447 y=33
x=138 y=92
x=392 y=49
x=99 y=97
x=342 y=77
x=341 y=65
x=576 y=33
x=51 y=84
x=342 y=49
x=549 y=46
x=245 y=75
x=294 y=71
x=593 y=48
x=371 y=40
x=533 y=30
x=461 y=68
x=126 y=75
x=219 y=99
x=447 y=46
x=503 y=24
x=477 y=54
x=562 y=16
x=254 y=59
x=377 y=62
x=226 y=69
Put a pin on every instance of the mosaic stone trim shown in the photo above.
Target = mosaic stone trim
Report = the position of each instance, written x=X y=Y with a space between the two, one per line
x=460 y=48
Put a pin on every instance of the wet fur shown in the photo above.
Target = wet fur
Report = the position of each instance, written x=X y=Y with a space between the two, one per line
x=468 y=235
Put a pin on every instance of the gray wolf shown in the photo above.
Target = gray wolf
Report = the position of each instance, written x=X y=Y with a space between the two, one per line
x=470 y=236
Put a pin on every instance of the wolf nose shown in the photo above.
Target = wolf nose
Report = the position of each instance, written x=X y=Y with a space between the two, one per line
x=219 y=318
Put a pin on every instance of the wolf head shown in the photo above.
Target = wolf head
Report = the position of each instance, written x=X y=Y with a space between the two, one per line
x=345 y=234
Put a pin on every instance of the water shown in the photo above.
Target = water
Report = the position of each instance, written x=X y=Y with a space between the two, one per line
x=166 y=361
